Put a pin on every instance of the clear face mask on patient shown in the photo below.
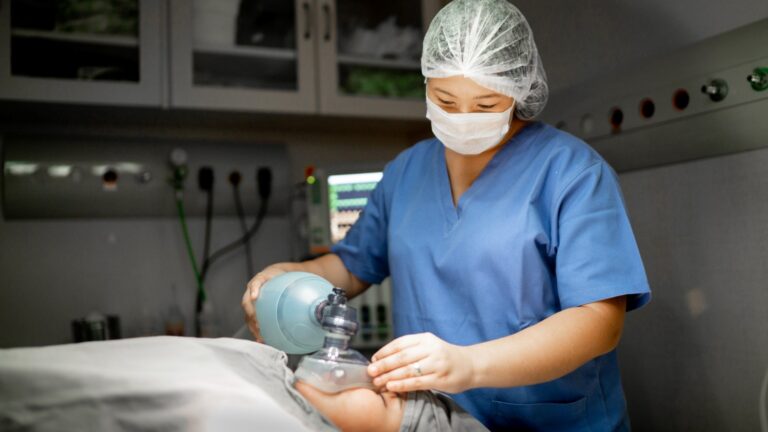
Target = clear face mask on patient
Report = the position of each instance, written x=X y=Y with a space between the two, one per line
x=468 y=133
x=336 y=367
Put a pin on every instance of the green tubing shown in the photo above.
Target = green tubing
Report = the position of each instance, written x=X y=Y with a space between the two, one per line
x=190 y=251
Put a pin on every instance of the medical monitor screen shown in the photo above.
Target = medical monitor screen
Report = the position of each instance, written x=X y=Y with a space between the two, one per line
x=347 y=196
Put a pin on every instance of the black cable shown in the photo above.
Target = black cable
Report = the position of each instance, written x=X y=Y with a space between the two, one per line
x=244 y=228
x=205 y=182
x=200 y=298
x=208 y=223
x=239 y=242
x=264 y=181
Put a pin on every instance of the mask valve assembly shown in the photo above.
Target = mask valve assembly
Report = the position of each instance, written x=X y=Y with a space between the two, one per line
x=302 y=312
x=336 y=367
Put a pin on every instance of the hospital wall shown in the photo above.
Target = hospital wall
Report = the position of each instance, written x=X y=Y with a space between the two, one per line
x=56 y=270
x=580 y=40
x=695 y=357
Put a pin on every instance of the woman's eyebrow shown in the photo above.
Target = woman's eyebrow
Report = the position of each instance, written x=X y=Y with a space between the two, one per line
x=486 y=96
x=437 y=89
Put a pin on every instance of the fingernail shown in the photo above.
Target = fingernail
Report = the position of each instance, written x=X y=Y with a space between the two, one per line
x=373 y=369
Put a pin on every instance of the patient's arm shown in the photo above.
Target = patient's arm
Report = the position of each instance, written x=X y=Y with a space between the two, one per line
x=357 y=409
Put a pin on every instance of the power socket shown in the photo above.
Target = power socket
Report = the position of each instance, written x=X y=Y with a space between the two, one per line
x=235 y=178
x=205 y=178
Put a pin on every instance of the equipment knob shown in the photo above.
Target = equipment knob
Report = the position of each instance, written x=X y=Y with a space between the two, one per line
x=717 y=89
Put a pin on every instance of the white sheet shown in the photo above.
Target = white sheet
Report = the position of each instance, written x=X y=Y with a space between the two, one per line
x=158 y=383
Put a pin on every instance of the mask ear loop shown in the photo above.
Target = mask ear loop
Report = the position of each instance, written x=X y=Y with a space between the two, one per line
x=514 y=110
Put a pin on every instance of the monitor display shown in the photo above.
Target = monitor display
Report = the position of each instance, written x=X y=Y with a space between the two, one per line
x=347 y=196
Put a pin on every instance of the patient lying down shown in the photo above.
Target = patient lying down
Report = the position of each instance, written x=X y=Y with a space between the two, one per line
x=366 y=410
x=180 y=384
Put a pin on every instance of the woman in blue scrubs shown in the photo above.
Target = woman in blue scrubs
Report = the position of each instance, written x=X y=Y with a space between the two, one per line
x=511 y=254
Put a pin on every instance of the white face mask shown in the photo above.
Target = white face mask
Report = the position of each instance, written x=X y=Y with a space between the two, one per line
x=468 y=133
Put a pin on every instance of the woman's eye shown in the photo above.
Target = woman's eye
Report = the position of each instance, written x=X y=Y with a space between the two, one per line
x=487 y=106
x=445 y=102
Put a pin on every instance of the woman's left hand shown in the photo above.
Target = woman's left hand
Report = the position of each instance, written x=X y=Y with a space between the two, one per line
x=421 y=362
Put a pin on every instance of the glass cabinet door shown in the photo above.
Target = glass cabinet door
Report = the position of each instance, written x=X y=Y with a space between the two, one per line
x=243 y=54
x=103 y=51
x=370 y=55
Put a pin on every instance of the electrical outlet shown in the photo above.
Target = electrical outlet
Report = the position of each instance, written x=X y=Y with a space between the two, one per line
x=205 y=178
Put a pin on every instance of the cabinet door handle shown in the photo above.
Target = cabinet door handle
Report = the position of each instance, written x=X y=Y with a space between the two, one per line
x=327 y=13
x=307 y=21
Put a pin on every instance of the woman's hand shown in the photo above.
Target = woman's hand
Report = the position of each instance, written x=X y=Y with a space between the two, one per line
x=252 y=293
x=327 y=266
x=422 y=362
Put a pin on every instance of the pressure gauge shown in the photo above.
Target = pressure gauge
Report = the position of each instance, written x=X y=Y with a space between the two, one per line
x=178 y=157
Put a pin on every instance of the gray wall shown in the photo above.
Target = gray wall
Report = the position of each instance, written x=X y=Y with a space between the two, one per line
x=582 y=39
x=694 y=358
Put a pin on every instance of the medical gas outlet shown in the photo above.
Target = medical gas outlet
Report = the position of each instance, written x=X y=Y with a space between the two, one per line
x=758 y=79
x=48 y=176
x=716 y=89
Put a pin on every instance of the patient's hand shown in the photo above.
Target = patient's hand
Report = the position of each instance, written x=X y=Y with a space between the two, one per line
x=357 y=409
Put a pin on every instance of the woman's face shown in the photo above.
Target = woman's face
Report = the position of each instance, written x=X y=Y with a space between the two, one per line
x=458 y=94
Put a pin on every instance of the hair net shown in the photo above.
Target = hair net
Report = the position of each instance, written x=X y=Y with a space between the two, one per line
x=490 y=42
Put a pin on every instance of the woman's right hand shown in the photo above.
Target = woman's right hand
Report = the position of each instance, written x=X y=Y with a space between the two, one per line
x=252 y=293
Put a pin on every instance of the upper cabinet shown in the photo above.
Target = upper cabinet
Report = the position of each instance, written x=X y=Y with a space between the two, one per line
x=98 y=51
x=369 y=56
x=334 y=57
x=339 y=57
x=242 y=54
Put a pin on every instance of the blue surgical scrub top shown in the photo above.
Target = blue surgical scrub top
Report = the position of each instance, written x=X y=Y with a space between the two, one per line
x=542 y=229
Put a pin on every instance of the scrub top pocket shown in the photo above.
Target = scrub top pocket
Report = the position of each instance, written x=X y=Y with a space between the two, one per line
x=549 y=416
